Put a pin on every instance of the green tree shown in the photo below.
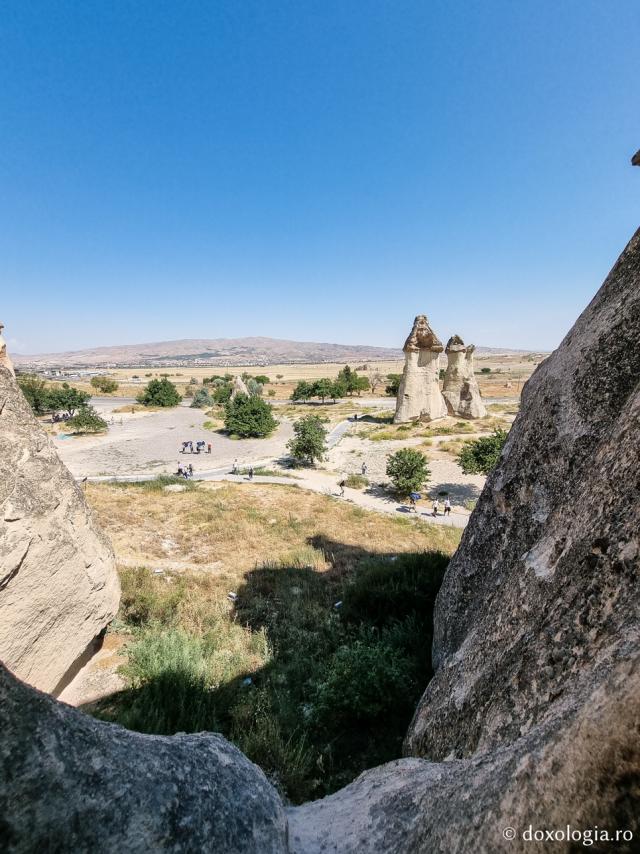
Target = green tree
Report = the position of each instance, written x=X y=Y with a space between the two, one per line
x=394 y=385
x=360 y=384
x=104 y=384
x=303 y=391
x=201 y=399
x=86 y=420
x=481 y=455
x=337 y=390
x=222 y=392
x=249 y=417
x=159 y=393
x=322 y=388
x=68 y=399
x=308 y=442
x=36 y=392
x=408 y=471
x=262 y=379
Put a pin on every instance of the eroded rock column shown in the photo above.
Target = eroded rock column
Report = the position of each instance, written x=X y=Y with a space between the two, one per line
x=419 y=395
x=461 y=391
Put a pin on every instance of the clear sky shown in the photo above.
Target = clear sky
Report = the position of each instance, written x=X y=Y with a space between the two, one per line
x=316 y=170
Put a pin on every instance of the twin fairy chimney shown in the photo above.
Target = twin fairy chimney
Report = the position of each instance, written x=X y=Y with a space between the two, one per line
x=419 y=395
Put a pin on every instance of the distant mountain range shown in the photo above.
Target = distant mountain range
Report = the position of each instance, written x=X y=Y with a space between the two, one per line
x=221 y=352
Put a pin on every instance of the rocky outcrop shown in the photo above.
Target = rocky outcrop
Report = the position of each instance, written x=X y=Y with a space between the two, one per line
x=239 y=387
x=460 y=389
x=5 y=361
x=70 y=783
x=531 y=723
x=58 y=583
x=419 y=395
x=528 y=732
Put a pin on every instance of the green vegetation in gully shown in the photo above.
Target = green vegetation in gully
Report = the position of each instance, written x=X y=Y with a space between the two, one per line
x=311 y=690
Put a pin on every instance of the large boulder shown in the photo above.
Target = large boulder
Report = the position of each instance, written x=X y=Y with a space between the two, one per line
x=70 y=783
x=58 y=582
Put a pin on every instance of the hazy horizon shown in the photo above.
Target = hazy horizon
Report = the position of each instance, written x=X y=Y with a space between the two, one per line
x=318 y=173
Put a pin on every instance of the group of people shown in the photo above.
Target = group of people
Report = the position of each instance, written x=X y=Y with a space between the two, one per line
x=185 y=471
x=235 y=469
x=199 y=447
x=435 y=508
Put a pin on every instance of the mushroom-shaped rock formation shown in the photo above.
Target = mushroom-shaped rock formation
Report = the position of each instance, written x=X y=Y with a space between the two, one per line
x=419 y=395
x=461 y=391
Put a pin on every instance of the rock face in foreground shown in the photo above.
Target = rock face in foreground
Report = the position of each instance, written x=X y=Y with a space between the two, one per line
x=542 y=601
x=58 y=583
x=70 y=783
x=532 y=719
x=419 y=395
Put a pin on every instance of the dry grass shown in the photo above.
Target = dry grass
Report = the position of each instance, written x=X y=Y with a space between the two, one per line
x=245 y=525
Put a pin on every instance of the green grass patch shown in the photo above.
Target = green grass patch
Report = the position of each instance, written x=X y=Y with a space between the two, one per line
x=313 y=691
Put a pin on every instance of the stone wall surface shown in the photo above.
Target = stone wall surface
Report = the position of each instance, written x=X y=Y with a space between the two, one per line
x=58 y=582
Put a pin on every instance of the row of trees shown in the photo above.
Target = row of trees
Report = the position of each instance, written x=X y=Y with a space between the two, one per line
x=72 y=403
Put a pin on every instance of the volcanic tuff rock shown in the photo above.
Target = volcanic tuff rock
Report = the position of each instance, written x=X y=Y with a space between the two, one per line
x=58 y=583
x=70 y=783
x=5 y=361
x=460 y=389
x=239 y=387
x=532 y=720
x=419 y=394
x=533 y=715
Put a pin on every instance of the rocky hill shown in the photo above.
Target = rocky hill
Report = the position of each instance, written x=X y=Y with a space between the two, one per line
x=217 y=352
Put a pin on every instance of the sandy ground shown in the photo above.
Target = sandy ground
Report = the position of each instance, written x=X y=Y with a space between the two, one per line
x=149 y=443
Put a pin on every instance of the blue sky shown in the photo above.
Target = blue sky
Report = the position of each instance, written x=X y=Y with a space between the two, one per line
x=312 y=170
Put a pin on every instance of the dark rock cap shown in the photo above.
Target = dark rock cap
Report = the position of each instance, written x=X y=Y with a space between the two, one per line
x=422 y=337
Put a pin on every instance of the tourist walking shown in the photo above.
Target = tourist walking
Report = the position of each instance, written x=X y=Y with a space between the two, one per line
x=251 y=473
x=209 y=447
x=190 y=470
x=447 y=507
x=436 y=507
x=234 y=468
x=342 y=485
x=364 y=469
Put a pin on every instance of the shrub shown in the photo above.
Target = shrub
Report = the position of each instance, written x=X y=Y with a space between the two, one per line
x=308 y=442
x=201 y=399
x=222 y=392
x=249 y=417
x=160 y=392
x=254 y=387
x=408 y=471
x=86 y=420
x=272 y=392
x=356 y=481
x=144 y=601
x=104 y=384
x=481 y=455
x=394 y=385
x=365 y=682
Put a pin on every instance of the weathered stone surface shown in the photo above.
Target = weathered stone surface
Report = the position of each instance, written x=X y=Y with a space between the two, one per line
x=5 y=361
x=239 y=387
x=419 y=395
x=533 y=715
x=70 y=783
x=541 y=599
x=460 y=389
x=58 y=583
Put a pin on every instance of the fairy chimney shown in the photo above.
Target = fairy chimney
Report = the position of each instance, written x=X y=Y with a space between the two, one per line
x=461 y=391
x=419 y=395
